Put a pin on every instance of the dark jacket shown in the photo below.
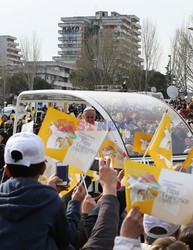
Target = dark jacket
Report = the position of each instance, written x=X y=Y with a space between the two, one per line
x=2 y=163
x=32 y=216
x=106 y=226
x=89 y=221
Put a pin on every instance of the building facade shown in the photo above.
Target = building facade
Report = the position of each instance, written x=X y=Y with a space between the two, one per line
x=75 y=30
x=9 y=51
x=55 y=73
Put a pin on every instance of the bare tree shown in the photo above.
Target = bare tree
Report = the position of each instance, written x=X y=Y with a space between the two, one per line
x=103 y=60
x=182 y=58
x=30 y=49
x=151 y=52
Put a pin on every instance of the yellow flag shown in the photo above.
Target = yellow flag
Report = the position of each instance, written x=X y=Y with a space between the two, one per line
x=160 y=147
x=141 y=142
x=160 y=192
x=189 y=159
x=93 y=174
x=0 y=119
x=109 y=148
x=141 y=186
x=57 y=132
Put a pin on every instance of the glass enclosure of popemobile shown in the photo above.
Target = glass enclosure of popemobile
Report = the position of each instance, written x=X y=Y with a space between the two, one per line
x=124 y=115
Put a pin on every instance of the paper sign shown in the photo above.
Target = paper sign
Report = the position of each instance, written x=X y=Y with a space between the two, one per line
x=162 y=193
x=141 y=142
x=160 y=147
x=117 y=155
x=85 y=148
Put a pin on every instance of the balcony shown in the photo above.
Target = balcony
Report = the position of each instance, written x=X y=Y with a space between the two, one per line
x=74 y=20
x=13 y=54
x=71 y=49
x=69 y=45
x=69 y=53
x=135 y=31
x=135 y=39
x=136 y=25
x=70 y=39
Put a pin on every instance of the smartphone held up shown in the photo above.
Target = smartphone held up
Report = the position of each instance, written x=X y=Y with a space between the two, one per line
x=62 y=173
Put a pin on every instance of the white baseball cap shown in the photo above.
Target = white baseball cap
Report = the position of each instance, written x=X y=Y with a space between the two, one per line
x=150 y=222
x=29 y=145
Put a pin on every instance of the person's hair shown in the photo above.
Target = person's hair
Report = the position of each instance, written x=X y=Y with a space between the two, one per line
x=190 y=115
x=168 y=243
x=184 y=105
x=191 y=105
x=156 y=231
x=24 y=171
x=186 y=236
x=17 y=170
x=179 y=107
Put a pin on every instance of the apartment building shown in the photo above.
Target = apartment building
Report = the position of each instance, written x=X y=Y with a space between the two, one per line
x=75 y=30
x=9 y=51
x=72 y=34
x=55 y=73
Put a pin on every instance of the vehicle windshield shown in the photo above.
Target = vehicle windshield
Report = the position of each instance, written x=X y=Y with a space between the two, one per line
x=130 y=112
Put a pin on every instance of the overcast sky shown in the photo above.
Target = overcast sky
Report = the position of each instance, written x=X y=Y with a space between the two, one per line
x=21 y=17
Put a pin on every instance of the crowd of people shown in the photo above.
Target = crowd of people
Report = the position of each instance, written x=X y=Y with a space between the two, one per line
x=185 y=108
x=34 y=216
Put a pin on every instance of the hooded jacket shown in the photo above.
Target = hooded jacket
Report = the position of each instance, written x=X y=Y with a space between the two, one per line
x=32 y=216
